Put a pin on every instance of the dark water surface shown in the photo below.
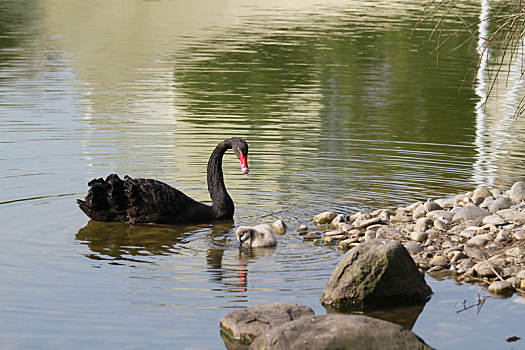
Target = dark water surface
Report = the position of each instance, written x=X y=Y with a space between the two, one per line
x=342 y=112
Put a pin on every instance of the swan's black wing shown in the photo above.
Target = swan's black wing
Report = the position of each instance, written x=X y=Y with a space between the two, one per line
x=139 y=201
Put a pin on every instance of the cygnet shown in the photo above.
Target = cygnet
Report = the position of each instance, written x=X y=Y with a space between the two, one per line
x=256 y=236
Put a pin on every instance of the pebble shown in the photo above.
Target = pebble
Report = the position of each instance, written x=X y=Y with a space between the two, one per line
x=279 y=227
x=481 y=191
x=312 y=235
x=519 y=235
x=485 y=269
x=500 y=203
x=516 y=252
x=419 y=236
x=430 y=205
x=444 y=215
x=501 y=287
x=302 y=228
x=423 y=223
x=441 y=225
x=517 y=192
x=324 y=218
x=439 y=260
x=413 y=248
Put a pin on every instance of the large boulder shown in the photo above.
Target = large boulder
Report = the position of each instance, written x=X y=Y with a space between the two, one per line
x=374 y=275
x=338 y=332
x=246 y=324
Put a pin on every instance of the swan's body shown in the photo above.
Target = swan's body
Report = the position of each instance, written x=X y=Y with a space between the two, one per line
x=151 y=201
x=256 y=236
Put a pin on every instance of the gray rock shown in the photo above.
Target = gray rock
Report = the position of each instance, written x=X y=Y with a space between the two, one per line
x=430 y=205
x=473 y=252
x=375 y=274
x=481 y=191
x=500 y=203
x=279 y=227
x=419 y=236
x=468 y=233
x=338 y=332
x=419 y=212
x=502 y=236
x=413 y=248
x=302 y=228
x=478 y=241
x=519 y=235
x=485 y=269
x=369 y=235
x=441 y=225
x=517 y=252
x=439 y=260
x=387 y=232
x=501 y=287
x=486 y=202
x=422 y=224
x=441 y=215
x=246 y=324
x=324 y=218
x=493 y=219
x=517 y=192
x=366 y=223
x=512 y=215
x=521 y=274
x=470 y=212
x=514 y=281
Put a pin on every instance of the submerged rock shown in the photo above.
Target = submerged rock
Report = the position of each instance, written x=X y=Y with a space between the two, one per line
x=338 y=332
x=375 y=274
x=246 y=324
x=279 y=227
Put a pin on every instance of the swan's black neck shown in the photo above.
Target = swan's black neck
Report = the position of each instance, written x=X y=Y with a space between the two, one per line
x=222 y=204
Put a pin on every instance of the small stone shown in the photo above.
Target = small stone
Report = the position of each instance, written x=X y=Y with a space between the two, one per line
x=324 y=218
x=467 y=233
x=440 y=225
x=340 y=218
x=279 y=227
x=493 y=219
x=369 y=235
x=478 y=240
x=521 y=274
x=419 y=212
x=519 y=235
x=344 y=227
x=478 y=200
x=466 y=264
x=399 y=218
x=514 y=281
x=473 y=252
x=422 y=224
x=332 y=233
x=470 y=212
x=439 y=260
x=517 y=192
x=481 y=191
x=500 y=203
x=413 y=248
x=517 y=252
x=312 y=235
x=366 y=223
x=302 y=228
x=430 y=205
x=444 y=215
x=485 y=269
x=419 y=236
x=459 y=256
x=486 y=202
x=502 y=236
x=387 y=232
x=501 y=287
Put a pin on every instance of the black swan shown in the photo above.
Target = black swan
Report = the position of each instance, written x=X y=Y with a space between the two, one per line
x=151 y=201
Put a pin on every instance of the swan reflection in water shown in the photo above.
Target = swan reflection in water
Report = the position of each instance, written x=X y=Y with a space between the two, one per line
x=122 y=244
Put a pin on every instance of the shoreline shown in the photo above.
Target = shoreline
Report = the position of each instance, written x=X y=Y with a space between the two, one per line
x=476 y=237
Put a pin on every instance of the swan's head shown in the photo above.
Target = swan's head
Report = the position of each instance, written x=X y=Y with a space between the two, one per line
x=244 y=233
x=240 y=147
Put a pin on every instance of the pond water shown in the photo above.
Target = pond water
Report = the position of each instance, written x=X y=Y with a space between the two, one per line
x=342 y=105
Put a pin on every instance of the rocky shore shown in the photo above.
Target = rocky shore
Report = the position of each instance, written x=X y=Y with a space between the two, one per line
x=476 y=237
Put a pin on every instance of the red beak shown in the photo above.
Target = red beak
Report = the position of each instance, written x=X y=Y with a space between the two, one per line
x=244 y=162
